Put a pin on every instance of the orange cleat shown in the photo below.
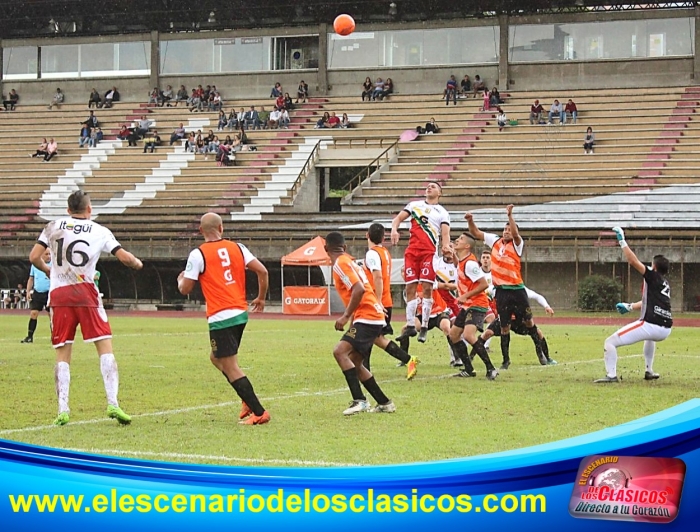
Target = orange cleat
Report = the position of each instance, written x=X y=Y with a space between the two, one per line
x=412 y=368
x=256 y=420
x=245 y=411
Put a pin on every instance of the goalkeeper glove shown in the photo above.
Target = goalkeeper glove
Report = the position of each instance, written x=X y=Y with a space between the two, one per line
x=623 y=308
x=620 y=236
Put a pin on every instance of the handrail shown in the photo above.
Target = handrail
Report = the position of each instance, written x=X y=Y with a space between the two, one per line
x=305 y=169
x=367 y=172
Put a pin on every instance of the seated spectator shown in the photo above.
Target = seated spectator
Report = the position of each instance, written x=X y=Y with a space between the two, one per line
x=322 y=122
x=190 y=143
x=302 y=92
x=495 y=98
x=450 y=90
x=41 y=150
x=228 y=141
x=195 y=100
x=151 y=141
x=215 y=102
x=378 y=89
x=536 y=111
x=233 y=118
x=166 y=96
x=284 y=119
x=279 y=102
x=84 y=135
x=133 y=137
x=15 y=297
x=213 y=145
x=11 y=101
x=181 y=96
x=465 y=86
x=95 y=99
x=178 y=134
x=570 y=110
x=555 y=110
x=252 y=119
x=589 y=141
x=274 y=120
x=345 y=121
x=263 y=117
x=200 y=144
x=95 y=137
x=478 y=85
x=333 y=121
x=501 y=118
x=288 y=105
x=124 y=132
x=51 y=150
x=154 y=97
x=91 y=120
x=276 y=91
x=57 y=100
x=221 y=124
x=388 y=88
x=111 y=96
x=225 y=155
x=432 y=127
x=367 y=88
x=143 y=126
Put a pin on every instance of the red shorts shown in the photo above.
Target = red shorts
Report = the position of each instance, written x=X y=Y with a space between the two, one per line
x=492 y=308
x=65 y=320
x=418 y=266
x=450 y=301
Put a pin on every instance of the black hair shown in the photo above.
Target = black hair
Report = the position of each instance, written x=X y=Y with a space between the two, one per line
x=376 y=233
x=437 y=183
x=335 y=240
x=78 y=202
x=516 y=225
x=661 y=264
x=471 y=239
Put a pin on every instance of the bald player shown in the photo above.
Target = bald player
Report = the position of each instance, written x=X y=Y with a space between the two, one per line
x=219 y=265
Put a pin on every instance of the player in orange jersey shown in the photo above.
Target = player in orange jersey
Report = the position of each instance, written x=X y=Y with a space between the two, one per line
x=219 y=265
x=367 y=314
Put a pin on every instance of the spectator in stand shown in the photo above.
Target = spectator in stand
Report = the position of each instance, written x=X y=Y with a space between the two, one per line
x=465 y=86
x=91 y=120
x=151 y=141
x=133 y=137
x=450 y=90
x=501 y=118
x=166 y=96
x=124 y=132
x=213 y=145
x=263 y=117
x=279 y=102
x=178 y=134
x=181 y=96
x=274 y=121
x=200 y=144
x=95 y=137
x=571 y=110
x=302 y=91
x=143 y=127
x=84 y=135
x=486 y=105
x=215 y=101
x=222 y=121
x=378 y=89
x=367 y=88
x=95 y=99
x=432 y=127
x=333 y=121
x=228 y=141
x=57 y=100
x=478 y=85
x=232 y=121
x=495 y=98
x=345 y=121
x=555 y=110
x=322 y=122
x=284 y=119
x=536 y=111
x=15 y=297
x=41 y=150
x=11 y=101
x=589 y=141
x=276 y=91
x=288 y=105
x=51 y=150
x=252 y=119
x=195 y=100
x=225 y=157
x=154 y=98
x=111 y=96
x=388 y=88
x=190 y=143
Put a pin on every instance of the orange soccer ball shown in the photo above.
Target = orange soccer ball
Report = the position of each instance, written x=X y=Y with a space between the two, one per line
x=344 y=24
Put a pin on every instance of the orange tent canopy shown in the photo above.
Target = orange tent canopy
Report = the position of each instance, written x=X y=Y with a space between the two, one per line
x=310 y=254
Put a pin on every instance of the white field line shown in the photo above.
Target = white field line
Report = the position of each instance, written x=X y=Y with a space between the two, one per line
x=209 y=458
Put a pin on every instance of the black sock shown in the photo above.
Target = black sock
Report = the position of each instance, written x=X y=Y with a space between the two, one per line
x=480 y=349
x=505 y=347
x=532 y=333
x=245 y=391
x=398 y=353
x=404 y=343
x=365 y=361
x=31 y=328
x=460 y=352
x=375 y=391
x=545 y=347
x=354 y=384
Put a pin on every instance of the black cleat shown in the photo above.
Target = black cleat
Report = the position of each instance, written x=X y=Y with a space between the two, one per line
x=492 y=374
x=505 y=365
x=30 y=340
x=465 y=374
x=408 y=333
x=607 y=380
x=650 y=376
x=423 y=334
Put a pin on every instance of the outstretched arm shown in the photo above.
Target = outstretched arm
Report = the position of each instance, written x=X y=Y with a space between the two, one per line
x=627 y=252
x=517 y=239
x=473 y=229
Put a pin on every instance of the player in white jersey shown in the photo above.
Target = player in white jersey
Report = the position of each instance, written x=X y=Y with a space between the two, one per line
x=446 y=277
x=430 y=228
x=76 y=243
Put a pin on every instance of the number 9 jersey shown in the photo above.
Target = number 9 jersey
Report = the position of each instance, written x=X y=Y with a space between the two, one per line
x=76 y=245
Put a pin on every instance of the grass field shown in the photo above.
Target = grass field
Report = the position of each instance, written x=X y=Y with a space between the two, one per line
x=185 y=411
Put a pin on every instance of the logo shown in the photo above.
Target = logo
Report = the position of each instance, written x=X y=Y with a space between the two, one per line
x=310 y=251
x=287 y=300
x=628 y=488
x=75 y=228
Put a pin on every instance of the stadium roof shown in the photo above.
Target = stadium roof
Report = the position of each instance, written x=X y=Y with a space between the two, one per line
x=61 y=18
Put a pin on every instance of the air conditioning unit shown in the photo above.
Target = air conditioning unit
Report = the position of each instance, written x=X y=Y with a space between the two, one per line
x=297 y=58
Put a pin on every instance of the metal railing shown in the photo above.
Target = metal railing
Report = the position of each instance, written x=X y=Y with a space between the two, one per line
x=304 y=172
x=367 y=172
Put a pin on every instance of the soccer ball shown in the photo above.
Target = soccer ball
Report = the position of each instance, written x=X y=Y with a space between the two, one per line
x=344 y=24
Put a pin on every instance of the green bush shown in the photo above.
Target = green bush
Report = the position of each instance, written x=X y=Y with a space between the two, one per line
x=599 y=293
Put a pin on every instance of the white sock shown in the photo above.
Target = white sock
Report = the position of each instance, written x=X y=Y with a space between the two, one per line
x=649 y=348
x=110 y=375
x=427 y=308
x=62 y=373
x=610 y=358
x=487 y=343
x=411 y=308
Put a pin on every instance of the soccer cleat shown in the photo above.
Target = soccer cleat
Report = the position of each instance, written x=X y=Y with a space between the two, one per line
x=408 y=333
x=492 y=374
x=356 y=407
x=252 y=419
x=245 y=411
x=606 y=380
x=423 y=335
x=28 y=340
x=117 y=413
x=412 y=368
x=505 y=365
x=651 y=376
x=62 y=419
x=465 y=374
x=551 y=362
x=388 y=408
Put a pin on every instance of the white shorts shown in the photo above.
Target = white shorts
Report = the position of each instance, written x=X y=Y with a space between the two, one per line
x=640 y=331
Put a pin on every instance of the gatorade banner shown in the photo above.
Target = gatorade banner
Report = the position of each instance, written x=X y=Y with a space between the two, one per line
x=308 y=300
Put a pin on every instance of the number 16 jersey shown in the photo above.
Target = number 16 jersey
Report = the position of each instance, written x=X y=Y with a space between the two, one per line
x=76 y=245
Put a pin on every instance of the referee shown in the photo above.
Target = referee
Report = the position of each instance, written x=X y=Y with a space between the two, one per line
x=37 y=295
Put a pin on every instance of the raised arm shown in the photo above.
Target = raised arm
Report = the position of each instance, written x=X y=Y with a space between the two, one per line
x=513 y=226
x=473 y=229
x=627 y=252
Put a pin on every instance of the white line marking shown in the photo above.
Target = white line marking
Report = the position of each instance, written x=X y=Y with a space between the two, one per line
x=209 y=458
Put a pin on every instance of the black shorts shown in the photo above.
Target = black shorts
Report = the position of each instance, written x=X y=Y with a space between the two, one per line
x=388 y=329
x=39 y=301
x=361 y=337
x=470 y=317
x=513 y=303
x=225 y=342
x=518 y=327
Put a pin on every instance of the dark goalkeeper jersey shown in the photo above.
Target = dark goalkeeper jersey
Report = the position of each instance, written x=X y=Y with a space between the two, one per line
x=656 y=299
